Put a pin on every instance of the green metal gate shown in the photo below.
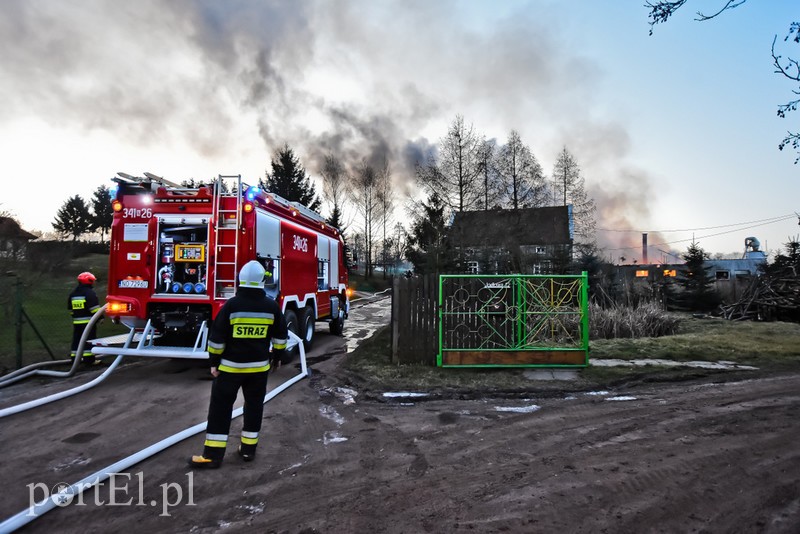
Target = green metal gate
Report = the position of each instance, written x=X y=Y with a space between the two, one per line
x=513 y=320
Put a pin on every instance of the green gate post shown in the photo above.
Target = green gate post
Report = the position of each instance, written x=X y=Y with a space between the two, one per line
x=585 y=312
x=440 y=313
x=18 y=320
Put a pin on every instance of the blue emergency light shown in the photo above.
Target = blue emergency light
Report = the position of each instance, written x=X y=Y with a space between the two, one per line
x=252 y=192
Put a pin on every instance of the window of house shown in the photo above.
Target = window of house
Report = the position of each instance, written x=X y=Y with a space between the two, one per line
x=742 y=274
x=671 y=273
x=642 y=273
x=541 y=250
x=472 y=267
x=723 y=275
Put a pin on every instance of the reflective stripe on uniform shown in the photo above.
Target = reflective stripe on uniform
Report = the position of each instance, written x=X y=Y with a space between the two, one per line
x=278 y=343
x=82 y=320
x=216 y=440
x=216 y=348
x=243 y=367
x=249 y=438
x=252 y=318
x=93 y=309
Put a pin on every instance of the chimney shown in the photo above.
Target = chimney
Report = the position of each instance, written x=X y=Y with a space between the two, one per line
x=644 y=248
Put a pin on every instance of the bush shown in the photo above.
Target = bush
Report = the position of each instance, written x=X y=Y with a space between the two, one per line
x=646 y=319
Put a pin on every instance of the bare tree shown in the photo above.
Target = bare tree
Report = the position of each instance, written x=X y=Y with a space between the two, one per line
x=789 y=68
x=365 y=197
x=488 y=171
x=399 y=244
x=455 y=177
x=569 y=188
x=385 y=199
x=520 y=174
x=334 y=189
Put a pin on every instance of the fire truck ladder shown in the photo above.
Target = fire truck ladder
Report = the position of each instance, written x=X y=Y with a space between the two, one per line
x=226 y=226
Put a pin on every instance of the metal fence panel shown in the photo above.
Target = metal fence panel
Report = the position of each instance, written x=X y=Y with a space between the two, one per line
x=513 y=320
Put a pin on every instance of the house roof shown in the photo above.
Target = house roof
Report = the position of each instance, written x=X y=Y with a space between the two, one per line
x=528 y=226
x=10 y=229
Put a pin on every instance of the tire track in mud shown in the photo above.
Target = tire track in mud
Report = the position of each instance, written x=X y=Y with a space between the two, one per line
x=718 y=457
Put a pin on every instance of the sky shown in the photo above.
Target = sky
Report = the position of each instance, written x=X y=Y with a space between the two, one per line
x=676 y=133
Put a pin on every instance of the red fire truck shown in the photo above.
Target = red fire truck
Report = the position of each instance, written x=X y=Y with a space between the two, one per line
x=176 y=252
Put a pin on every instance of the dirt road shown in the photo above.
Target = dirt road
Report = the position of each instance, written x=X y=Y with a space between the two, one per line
x=704 y=457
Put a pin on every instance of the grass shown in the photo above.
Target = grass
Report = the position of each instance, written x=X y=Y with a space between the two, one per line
x=44 y=299
x=774 y=344
x=772 y=347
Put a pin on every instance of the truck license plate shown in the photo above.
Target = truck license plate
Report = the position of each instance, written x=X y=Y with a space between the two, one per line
x=138 y=284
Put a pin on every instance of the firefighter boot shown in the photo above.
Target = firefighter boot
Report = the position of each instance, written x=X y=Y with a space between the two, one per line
x=210 y=459
x=247 y=452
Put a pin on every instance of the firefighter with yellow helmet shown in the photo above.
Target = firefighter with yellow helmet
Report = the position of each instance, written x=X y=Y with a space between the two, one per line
x=238 y=347
x=83 y=303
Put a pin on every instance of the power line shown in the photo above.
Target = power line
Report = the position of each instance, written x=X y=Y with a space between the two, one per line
x=765 y=221
x=701 y=237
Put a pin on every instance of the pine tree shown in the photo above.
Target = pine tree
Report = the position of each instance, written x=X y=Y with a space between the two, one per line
x=428 y=247
x=102 y=213
x=290 y=180
x=73 y=218
x=696 y=281
x=335 y=218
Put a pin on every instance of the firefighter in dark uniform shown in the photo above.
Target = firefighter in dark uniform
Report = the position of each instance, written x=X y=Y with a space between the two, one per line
x=238 y=347
x=83 y=304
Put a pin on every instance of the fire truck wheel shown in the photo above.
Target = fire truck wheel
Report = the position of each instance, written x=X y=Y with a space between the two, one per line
x=337 y=326
x=291 y=325
x=307 y=328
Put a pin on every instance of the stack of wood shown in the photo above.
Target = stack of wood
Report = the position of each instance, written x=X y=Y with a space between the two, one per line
x=774 y=296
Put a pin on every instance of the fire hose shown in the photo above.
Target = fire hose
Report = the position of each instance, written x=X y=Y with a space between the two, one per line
x=67 y=494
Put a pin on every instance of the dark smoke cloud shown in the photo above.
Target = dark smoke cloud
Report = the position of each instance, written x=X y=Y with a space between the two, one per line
x=157 y=73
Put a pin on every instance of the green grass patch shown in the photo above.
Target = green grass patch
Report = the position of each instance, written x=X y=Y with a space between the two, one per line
x=772 y=347
x=44 y=299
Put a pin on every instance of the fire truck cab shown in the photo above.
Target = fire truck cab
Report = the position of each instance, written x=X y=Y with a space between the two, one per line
x=176 y=252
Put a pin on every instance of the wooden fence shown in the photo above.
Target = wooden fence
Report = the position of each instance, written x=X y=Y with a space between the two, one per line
x=415 y=336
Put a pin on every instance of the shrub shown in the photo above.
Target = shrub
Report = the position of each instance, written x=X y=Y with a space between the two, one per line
x=646 y=319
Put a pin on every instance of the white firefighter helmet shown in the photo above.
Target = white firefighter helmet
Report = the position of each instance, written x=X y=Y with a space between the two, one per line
x=252 y=275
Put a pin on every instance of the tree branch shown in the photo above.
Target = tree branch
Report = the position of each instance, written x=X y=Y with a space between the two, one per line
x=662 y=10
x=730 y=4
x=793 y=140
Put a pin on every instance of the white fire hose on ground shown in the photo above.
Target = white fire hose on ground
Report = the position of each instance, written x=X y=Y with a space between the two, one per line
x=68 y=393
x=34 y=369
x=67 y=494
